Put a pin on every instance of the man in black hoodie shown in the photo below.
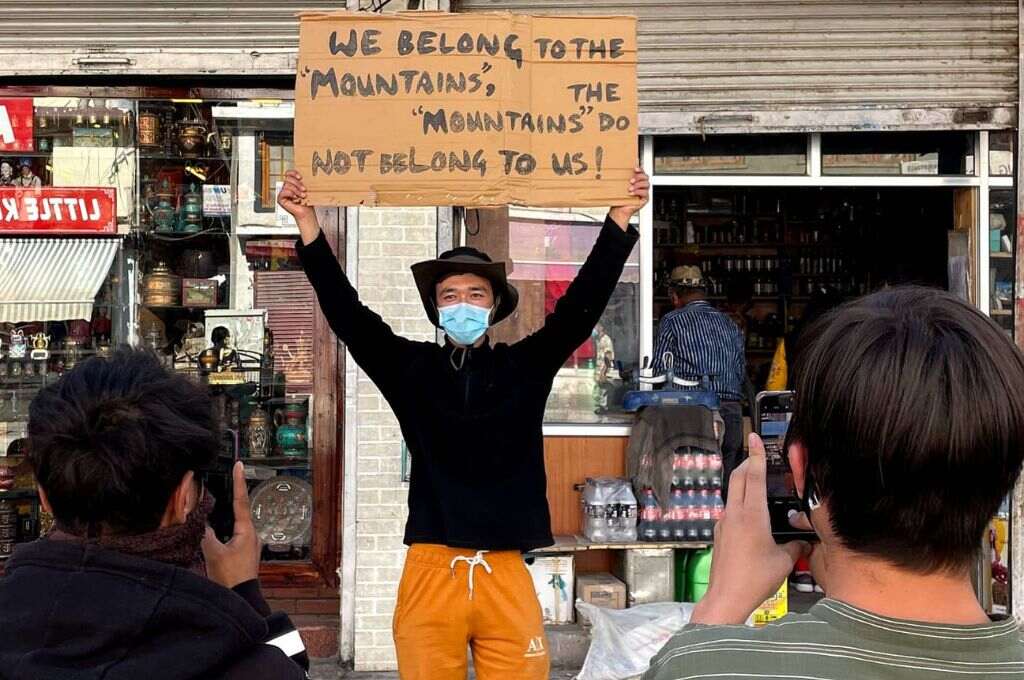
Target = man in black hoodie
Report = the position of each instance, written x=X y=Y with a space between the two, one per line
x=472 y=416
x=120 y=590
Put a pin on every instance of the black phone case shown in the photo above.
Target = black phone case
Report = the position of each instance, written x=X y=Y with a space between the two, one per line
x=779 y=507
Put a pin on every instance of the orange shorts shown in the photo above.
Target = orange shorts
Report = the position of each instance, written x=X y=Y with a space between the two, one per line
x=450 y=598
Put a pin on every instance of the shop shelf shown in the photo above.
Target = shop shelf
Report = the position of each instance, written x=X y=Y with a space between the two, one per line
x=175 y=237
x=567 y=544
x=1001 y=312
x=1004 y=256
x=20 y=495
x=175 y=158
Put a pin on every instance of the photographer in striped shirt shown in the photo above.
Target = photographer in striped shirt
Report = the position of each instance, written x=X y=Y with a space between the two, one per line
x=704 y=342
x=905 y=438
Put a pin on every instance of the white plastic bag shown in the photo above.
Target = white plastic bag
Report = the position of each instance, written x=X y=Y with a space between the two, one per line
x=625 y=640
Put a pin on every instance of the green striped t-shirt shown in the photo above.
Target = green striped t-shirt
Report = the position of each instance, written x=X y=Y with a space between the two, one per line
x=835 y=641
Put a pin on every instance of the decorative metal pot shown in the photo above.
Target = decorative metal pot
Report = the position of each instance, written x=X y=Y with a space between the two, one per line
x=161 y=287
x=291 y=429
x=164 y=213
x=192 y=211
x=191 y=136
x=258 y=435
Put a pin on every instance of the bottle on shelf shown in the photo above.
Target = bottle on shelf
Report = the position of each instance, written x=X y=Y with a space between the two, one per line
x=715 y=470
x=650 y=516
x=682 y=469
x=678 y=515
x=700 y=470
x=597 y=521
x=692 y=506
x=717 y=509
x=705 y=523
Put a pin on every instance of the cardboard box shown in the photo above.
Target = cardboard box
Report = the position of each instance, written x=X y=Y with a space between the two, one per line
x=601 y=590
x=774 y=608
x=553 y=578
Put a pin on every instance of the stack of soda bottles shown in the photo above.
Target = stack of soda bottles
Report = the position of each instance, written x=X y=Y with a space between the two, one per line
x=695 y=504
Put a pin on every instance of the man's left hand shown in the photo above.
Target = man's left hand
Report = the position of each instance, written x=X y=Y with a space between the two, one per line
x=639 y=187
x=748 y=565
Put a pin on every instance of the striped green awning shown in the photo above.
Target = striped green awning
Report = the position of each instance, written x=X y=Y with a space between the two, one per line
x=52 y=279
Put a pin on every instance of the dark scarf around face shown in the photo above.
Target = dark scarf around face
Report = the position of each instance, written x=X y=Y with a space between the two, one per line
x=179 y=544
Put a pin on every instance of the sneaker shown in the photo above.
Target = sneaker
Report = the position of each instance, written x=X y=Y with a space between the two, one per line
x=802 y=583
x=819 y=589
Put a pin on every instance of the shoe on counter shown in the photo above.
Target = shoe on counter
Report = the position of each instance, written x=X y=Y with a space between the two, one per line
x=802 y=582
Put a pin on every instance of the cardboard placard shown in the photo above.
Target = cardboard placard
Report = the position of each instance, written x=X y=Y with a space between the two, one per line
x=65 y=210
x=426 y=108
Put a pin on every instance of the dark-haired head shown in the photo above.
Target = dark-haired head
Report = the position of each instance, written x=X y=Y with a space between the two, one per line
x=910 y=414
x=111 y=442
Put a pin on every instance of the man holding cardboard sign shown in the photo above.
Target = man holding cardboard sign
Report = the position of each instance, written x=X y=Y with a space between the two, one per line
x=487 y=109
x=472 y=416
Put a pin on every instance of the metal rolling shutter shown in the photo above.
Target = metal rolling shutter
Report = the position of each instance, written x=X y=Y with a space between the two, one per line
x=58 y=37
x=291 y=305
x=744 y=65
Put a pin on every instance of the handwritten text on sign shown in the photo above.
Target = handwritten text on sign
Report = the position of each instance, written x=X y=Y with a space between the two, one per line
x=456 y=109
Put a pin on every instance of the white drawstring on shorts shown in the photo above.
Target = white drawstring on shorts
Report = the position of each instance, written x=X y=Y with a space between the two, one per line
x=473 y=561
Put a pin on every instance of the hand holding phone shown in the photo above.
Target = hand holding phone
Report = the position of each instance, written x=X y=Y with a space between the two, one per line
x=238 y=560
x=772 y=413
x=742 y=538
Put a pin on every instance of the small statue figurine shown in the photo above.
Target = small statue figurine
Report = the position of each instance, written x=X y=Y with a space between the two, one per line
x=18 y=344
x=6 y=174
x=27 y=179
x=40 y=347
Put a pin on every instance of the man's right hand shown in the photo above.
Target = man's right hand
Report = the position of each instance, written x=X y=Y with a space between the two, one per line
x=291 y=198
x=238 y=560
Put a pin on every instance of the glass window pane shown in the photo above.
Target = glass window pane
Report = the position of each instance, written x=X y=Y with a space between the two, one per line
x=78 y=143
x=1002 y=241
x=34 y=354
x=546 y=248
x=897 y=153
x=730 y=155
x=1000 y=153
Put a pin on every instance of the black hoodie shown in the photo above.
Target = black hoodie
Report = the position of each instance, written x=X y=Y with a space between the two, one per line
x=71 y=611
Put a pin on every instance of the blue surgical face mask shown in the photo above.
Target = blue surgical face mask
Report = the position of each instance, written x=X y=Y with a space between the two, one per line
x=464 y=323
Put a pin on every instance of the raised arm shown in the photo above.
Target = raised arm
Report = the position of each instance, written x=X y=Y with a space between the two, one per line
x=371 y=342
x=579 y=310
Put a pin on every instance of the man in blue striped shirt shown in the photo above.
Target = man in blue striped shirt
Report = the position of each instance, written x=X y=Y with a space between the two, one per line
x=703 y=341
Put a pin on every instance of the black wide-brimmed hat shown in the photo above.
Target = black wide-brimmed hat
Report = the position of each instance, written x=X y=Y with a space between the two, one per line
x=464 y=261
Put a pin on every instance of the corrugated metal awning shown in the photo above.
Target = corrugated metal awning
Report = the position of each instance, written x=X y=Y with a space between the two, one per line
x=55 y=37
x=52 y=279
x=715 y=66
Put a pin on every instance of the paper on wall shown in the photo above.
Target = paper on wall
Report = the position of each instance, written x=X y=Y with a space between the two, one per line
x=98 y=167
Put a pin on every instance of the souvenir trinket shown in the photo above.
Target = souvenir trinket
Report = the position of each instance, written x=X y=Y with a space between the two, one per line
x=258 y=434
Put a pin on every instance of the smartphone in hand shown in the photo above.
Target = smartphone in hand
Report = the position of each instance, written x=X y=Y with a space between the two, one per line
x=218 y=482
x=772 y=413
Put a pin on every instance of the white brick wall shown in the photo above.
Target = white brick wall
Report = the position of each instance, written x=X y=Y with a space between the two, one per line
x=389 y=242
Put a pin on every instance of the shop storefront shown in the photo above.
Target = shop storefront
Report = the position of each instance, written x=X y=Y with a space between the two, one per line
x=179 y=121
x=792 y=147
x=187 y=256
x=800 y=153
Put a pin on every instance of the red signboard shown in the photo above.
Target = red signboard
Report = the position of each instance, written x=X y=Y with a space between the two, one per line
x=16 y=125
x=52 y=210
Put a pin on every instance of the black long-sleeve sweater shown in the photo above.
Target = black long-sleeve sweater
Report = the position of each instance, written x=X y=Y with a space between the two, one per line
x=70 y=610
x=473 y=424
